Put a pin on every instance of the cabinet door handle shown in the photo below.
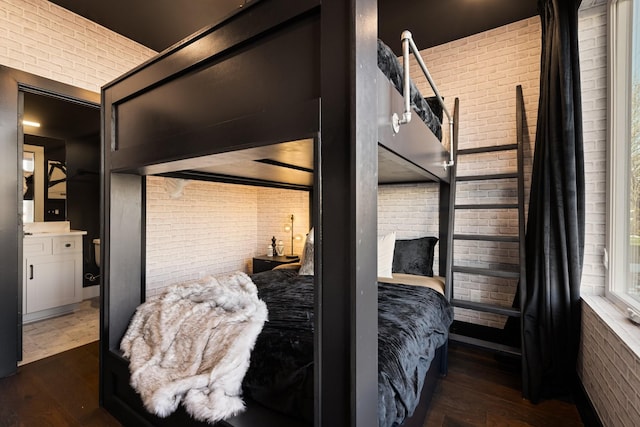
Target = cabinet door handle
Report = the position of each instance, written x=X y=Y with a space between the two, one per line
x=31 y=272
x=67 y=245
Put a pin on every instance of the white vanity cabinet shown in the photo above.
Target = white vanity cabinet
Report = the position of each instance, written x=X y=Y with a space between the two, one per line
x=52 y=274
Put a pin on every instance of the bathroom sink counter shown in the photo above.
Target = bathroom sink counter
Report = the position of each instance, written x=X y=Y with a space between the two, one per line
x=55 y=233
x=52 y=273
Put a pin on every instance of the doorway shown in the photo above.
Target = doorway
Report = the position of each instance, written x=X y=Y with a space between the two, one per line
x=60 y=154
x=12 y=82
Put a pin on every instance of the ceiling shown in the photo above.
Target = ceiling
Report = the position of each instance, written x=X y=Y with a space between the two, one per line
x=432 y=22
x=60 y=118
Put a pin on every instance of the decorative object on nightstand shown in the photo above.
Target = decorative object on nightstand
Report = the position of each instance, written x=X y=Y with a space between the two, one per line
x=273 y=246
x=280 y=248
x=289 y=228
x=265 y=263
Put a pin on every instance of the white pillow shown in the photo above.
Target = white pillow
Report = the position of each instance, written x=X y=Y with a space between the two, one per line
x=306 y=259
x=386 y=245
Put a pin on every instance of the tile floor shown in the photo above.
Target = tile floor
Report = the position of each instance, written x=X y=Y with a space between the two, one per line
x=52 y=336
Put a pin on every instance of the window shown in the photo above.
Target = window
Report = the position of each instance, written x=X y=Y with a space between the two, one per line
x=624 y=156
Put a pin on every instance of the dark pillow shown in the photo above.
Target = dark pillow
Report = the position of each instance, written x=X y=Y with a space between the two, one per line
x=414 y=256
x=435 y=106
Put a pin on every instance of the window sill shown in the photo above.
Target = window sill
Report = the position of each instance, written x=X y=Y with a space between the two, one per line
x=616 y=320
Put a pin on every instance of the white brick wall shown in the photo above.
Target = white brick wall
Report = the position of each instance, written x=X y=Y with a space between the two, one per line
x=214 y=228
x=483 y=70
x=411 y=210
x=42 y=38
x=609 y=367
x=593 y=68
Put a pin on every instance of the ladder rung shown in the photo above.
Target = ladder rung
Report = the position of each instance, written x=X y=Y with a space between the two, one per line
x=488 y=176
x=489 y=206
x=487 y=308
x=487 y=237
x=492 y=272
x=488 y=149
x=514 y=351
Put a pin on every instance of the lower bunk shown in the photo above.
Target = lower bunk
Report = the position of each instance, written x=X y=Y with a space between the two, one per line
x=125 y=404
x=278 y=387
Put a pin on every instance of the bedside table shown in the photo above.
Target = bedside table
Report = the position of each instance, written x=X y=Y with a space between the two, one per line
x=264 y=263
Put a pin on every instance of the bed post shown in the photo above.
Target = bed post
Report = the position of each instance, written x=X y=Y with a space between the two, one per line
x=445 y=209
x=346 y=303
x=447 y=221
x=123 y=241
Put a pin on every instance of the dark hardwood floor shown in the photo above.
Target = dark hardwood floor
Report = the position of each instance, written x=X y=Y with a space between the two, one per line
x=62 y=390
x=482 y=389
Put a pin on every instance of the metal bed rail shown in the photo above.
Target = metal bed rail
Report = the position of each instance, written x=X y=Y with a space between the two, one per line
x=409 y=44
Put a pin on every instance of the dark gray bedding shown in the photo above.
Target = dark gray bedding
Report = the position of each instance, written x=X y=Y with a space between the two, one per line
x=390 y=67
x=412 y=323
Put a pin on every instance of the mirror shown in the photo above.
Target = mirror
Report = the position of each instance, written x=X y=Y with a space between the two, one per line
x=45 y=179
x=56 y=180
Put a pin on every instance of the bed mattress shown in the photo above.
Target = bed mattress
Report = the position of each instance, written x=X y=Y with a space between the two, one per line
x=413 y=321
x=390 y=67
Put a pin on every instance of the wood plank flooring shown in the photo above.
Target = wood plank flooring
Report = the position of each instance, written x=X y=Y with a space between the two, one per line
x=62 y=390
x=482 y=390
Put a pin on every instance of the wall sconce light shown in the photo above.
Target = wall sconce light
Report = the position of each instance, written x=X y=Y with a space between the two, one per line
x=175 y=187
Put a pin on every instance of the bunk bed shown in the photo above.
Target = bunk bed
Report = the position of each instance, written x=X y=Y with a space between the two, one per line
x=199 y=111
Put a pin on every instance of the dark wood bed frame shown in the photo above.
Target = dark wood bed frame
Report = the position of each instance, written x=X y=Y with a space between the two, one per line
x=277 y=71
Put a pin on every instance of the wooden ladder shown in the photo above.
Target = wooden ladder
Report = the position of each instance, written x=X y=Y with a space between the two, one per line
x=491 y=270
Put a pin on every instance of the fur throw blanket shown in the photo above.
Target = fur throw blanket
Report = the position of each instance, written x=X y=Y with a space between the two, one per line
x=193 y=344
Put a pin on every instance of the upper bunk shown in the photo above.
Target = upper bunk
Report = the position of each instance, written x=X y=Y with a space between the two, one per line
x=240 y=102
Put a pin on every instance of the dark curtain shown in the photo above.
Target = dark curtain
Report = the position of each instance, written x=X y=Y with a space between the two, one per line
x=555 y=227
